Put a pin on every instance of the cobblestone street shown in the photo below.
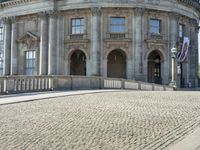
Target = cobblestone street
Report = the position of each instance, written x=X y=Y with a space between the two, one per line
x=126 y=120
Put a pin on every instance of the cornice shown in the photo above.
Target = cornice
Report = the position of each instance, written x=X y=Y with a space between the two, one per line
x=13 y=3
x=193 y=3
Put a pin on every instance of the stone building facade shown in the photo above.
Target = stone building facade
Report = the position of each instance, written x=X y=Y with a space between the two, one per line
x=128 y=39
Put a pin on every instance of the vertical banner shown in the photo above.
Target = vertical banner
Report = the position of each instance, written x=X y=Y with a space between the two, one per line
x=184 y=51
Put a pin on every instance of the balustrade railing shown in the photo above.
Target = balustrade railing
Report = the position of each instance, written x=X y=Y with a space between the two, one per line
x=18 y=84
x=153 y=36
x=76 y=36
x=116 y=35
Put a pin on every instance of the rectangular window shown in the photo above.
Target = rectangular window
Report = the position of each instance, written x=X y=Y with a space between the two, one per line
x=30 y=62
x=77 y=25
x=117 y=24
x=1 y=33
x=181 y=30
x=155 y=26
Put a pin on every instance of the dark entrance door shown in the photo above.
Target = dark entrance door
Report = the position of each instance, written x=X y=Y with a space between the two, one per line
x=116 y=65
x=154 y=68
x=78 y=63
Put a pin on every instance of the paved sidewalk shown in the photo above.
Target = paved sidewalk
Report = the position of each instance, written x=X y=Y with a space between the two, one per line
x=101 y=120
x=191 y=142
x=26 y=97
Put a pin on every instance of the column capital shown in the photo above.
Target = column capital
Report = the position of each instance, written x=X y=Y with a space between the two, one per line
x=193 y=23
x=139 y=11
x=42 y=15
x=6 y=20
x=53 y=13
x=96 y=11
x=13 y=19
x=174 y=15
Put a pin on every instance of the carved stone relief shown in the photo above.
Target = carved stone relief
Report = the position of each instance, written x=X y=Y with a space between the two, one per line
x=29 y=41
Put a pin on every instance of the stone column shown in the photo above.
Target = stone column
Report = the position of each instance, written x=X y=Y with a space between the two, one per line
x=52 y=43
x=7 y=46
x=95 y=41
x=43 y=44
x=13 y=66
x=138 y=57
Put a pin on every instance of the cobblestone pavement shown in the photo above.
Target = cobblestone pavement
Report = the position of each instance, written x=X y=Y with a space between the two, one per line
x=127 y=120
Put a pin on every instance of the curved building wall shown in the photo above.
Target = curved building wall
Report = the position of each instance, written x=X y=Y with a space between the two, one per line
x=116 y=38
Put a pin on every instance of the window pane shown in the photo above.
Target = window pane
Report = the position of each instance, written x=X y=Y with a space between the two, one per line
x=73 y=22
x=77 y=26
x=30 y=62
x=181 y=30
x=155 y=26
x=117 y=24
x=1 y=33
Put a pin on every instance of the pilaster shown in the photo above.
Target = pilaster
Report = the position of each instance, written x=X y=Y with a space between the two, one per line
x=52 y=42
x=43 y=43
x=14 y=61
x=7 y=46
x=138 y=36
x=95 y=50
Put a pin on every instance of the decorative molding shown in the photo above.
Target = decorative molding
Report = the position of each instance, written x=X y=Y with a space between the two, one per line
x=110 y=46
x=29 y=40
x=193 y=3
x=14 y=3
x=193 y=23
x=139 y=11
x=154 y=2
x=155 y=46
x=117 y=45
x=42 y=15
x=96 y=11
x=77 y=45
x=6 y=20
x=13 y=19
x=72 y=47
x=174 y=15
x=53 y=13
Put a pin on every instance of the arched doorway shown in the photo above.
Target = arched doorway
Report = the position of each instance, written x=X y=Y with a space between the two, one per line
x=78 y=63
x=155 y=67
x=116 y=64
